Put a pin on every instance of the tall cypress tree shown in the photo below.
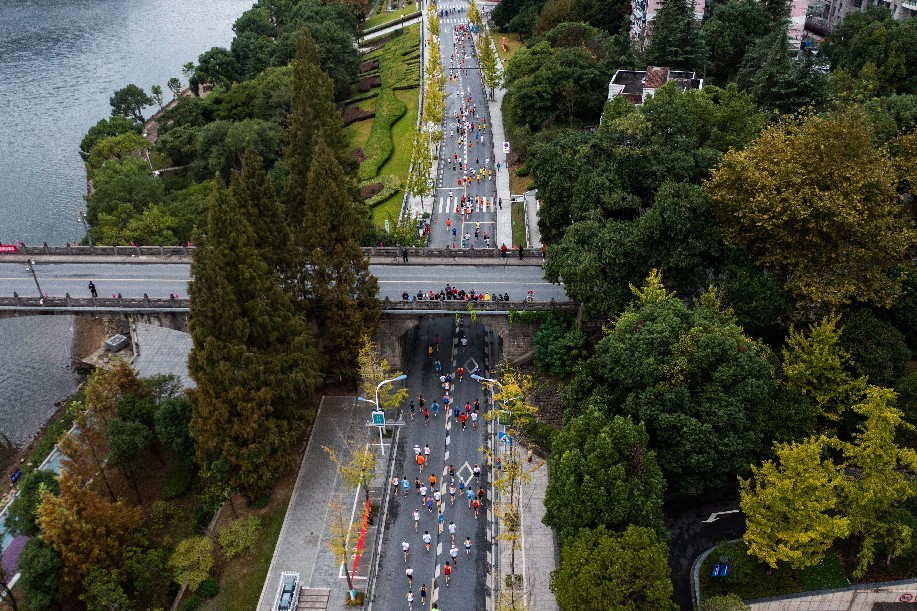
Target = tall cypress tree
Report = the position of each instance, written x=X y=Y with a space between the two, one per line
x=258 y=203
x=312 y=113
x=253 y=357
x=675 y=42
x=342 y=289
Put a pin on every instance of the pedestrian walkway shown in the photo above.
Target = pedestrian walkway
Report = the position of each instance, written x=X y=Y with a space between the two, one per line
x=504 y=216
x=862 y=596
x=538 y=556
x=531 y=219
x=302 y=545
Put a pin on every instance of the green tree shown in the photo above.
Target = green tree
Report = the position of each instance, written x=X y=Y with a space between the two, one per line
x=374 y=369
x=126 y=443
x=875 y=37
x=676 y=41
x=729 y=31
x=877 y=349
x=601 y=474
x=22 y=513
x=239 y=536
x=123 y=183
x=7 y=596
x=174 y=86
x=805 y=182
x=474 y=14
x=216 y=67
x=791 y=508
x=702 y=388
x=343 y=290
x=559 y=346
x=104 y=591
x=607 y=571
x=776 y=80
x=252 y=357
x=419 y=181
x=815 y=365
x=129 y=101
x=491 y=75
x=106 y=128
x=39 y=574
x=877 y=485
x=146 y=569
x=173 y=419
x=156 y=95
x=191 y=561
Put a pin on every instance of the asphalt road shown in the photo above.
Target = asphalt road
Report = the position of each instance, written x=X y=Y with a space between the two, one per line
x=449 y=445
x=158 y=280
x=458 y=160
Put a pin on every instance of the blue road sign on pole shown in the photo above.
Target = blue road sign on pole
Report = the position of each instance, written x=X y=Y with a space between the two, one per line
x=379 y=418
x=502 y=436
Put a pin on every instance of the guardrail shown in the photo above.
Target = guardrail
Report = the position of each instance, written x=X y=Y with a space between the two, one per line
x=146 y=303
x=477 y=306
x=68 y=303
x=394 y=252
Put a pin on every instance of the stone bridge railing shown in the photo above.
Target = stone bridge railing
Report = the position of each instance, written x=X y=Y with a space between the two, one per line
x=186 y=251
x=74 y=304
x=68 y=304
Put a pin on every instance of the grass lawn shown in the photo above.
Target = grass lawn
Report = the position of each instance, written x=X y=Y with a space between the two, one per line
x=399 y=163
x=747 y=578
x=518 y=184
x=383 y=16
x=513 y=44
x=518 y=217
x=825 y=575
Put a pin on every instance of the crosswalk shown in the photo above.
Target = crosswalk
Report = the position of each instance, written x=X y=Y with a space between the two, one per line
x=448 y=205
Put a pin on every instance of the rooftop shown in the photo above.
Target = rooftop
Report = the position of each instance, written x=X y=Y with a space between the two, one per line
x=636 y=85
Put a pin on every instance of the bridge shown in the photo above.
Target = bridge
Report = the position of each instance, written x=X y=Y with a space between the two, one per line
x=152 y=255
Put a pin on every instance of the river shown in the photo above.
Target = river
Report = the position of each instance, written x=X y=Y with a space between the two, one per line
x=60 y=61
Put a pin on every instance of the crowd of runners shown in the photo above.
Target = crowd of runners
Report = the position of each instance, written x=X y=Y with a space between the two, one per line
x=438 y=502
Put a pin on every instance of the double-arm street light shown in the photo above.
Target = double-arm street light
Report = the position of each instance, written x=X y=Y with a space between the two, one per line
x=379 y=407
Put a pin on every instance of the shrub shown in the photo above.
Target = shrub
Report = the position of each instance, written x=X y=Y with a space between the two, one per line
x=178 y=480
x=379 y=144
x=238 y=536
x=209 y=588
x=559 y=346
x=391 y=184
x=191 y=561
x=877 y=348
x=202 y=517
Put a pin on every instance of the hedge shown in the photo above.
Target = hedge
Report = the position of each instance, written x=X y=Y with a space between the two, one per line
x=378 y=146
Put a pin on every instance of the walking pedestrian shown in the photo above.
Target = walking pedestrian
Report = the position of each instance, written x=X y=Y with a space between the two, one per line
x=521 y=252
x=427 y=539
x=416 y=515
x=405 y=548
x=544 y=252
x=92 y=289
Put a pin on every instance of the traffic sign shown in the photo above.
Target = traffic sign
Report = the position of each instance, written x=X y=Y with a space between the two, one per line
x=505 y=147
x=379 y=418
x=502 y=436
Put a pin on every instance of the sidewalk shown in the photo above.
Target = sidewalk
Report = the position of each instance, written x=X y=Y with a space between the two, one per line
x=531 y=220
x=301 y=546
x=504 y=216
x=538 y=556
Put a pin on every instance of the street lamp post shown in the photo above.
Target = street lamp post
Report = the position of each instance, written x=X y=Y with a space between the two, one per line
x=379 y=408
x=82 y=216
x=30 y=265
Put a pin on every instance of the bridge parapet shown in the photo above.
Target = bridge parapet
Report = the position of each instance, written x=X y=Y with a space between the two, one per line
x=451 y=305
x=391 y=252
x=73 y=304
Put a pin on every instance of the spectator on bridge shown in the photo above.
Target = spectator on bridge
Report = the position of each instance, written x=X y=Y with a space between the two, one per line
x=503 y=250
x=92 y=289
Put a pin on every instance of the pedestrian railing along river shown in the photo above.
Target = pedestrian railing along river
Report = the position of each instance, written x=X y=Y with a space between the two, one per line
x=392 y=252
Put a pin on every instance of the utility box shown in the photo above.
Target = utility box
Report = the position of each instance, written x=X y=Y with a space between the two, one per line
x=116 y=343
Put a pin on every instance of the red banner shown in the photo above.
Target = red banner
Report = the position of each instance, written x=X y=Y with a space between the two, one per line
x=8 y=248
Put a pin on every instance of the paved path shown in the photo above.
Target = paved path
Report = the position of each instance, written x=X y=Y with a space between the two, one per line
x=531 y=220
x=301 y=546
x=865 y=596
x=539 y=550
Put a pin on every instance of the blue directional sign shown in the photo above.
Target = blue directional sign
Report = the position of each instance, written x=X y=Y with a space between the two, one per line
x=379 y=418
x=502 y=436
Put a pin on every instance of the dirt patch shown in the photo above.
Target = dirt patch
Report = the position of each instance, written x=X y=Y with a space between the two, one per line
x=546 y=394
x=370 y=65
x=357 y=155
x=365 y=84
x=371 y=189
x=89 y=334
x=355 y=113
